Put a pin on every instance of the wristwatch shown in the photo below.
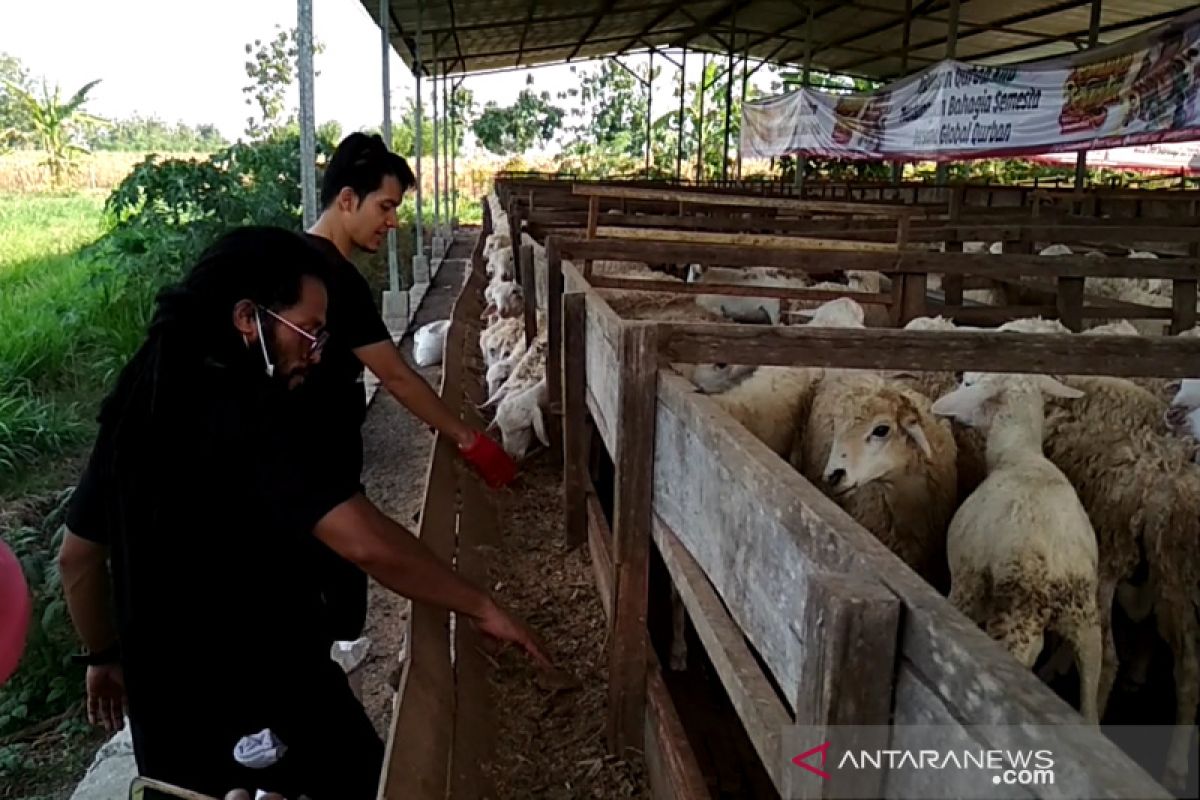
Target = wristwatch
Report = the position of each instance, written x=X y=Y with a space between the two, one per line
x=109 y=655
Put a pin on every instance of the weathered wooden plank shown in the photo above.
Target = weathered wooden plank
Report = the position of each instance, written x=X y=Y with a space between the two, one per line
x=554 y=363
x=713 y=477
x=1070 y=302
x=737 y=290
x=670 y=763
x=475 y=713
x=575 y=430
x=600 y=549
x=917 y=704
x=419 y=744
x=1009 y=265
x=881 y=348
x=763 y=714
x=529 y=293
x=850 y=629
x=745 y=201
x=600 y=358
x=743 y=239
x=1183 y=306
x=636 y=393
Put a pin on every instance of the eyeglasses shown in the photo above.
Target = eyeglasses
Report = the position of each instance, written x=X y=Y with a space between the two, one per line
x=315 y=343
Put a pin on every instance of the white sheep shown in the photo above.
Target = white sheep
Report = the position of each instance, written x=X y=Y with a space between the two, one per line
x=1021 y=550
x=745 y=309
x=1055 y=250
x=505 y=299
x=522 y=415
x=498 y=341
x=840 y=313
x=872 y=445
x=500 y=265
x=429 y=343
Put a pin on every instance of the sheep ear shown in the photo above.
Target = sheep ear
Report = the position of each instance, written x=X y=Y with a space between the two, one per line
x=912 y=426
x=1053 y=388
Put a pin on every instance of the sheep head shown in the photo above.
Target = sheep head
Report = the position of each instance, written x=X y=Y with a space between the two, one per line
x=717 y=378
x=981 y=397
x=875 y=441
x=520 y=417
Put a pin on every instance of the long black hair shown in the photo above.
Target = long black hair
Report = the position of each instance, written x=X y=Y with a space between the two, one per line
x=192 y=324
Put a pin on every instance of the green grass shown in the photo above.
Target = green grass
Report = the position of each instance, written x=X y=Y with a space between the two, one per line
x=58 y=340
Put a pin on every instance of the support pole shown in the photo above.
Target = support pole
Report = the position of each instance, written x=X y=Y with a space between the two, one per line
x=395 y=302
x=728 y=96
x=649 y=113
x=943 y=170
x=703 y=84
x=802 y=161
x=454 y=87
x=898 y=165
x=420 y=263
x=1093 y=37
x=682 y=96
x=437 y=182
x=745 y=80
x=447 y=133
x=308 y=132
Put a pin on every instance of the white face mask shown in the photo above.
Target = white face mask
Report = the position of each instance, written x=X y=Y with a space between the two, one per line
x=263 y=343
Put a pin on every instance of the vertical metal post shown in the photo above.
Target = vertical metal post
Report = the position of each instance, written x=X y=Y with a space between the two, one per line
x=420 y=123
x=454 y=86
x=447 y=132
x=682 y=96
x=1093 y=37
x=700 y=127
x=951 y=51
x=437 y=183
x=745 y=80
x=728 y=95
x=649 y=112
x=308 y=131
x=802 y=161
x=386 y=48
x=898 y=165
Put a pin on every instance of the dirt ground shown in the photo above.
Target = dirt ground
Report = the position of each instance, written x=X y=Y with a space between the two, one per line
x=550 y=738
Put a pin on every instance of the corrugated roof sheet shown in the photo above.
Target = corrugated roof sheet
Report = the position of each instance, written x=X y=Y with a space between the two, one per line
x=862 y=37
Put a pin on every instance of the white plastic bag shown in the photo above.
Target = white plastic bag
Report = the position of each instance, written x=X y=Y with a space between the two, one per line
x=429 y=343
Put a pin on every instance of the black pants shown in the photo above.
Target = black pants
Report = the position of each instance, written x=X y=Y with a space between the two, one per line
x=333 y=752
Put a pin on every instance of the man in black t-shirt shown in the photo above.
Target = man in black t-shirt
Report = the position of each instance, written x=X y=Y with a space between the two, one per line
x=363 y=186
x=185 y=564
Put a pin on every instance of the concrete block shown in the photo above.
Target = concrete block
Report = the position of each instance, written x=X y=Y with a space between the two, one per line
x=395 y=310
x=420 y=266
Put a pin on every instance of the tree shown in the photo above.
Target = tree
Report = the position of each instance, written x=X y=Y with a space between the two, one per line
x=146 y=134
x=404 y=132
x=58 y=127
x=12 y=122
x=511 y=130
x=462 y=115
x=272 y=71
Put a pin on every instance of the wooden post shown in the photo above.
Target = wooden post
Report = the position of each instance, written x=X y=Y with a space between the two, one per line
x=636 y=404
x=1183 y=306
x=529 y=291
x=1070 y=302
x=514 y=229
x=554 y=362
x=575 y=431
x=593 y=221
x=851 y=631
x=952 y=285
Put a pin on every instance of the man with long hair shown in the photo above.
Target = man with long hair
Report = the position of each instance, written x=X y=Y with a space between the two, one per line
x=186 y=565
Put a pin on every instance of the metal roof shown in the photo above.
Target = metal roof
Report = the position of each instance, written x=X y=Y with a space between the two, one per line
x=862 y=38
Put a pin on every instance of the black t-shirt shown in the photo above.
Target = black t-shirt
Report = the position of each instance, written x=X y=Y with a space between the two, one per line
x=352 y=321
x=207 y=507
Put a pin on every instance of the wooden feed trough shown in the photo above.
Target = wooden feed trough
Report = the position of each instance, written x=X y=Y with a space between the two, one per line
x=443 y=724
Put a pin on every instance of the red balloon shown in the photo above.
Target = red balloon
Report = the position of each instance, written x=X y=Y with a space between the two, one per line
x=15 y=608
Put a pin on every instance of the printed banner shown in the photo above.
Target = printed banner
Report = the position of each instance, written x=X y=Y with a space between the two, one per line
x=1180 y=158
x=1140 y=91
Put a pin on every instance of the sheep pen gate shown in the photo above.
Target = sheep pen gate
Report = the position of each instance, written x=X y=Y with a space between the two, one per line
x=443 y=722
x=805 y=616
